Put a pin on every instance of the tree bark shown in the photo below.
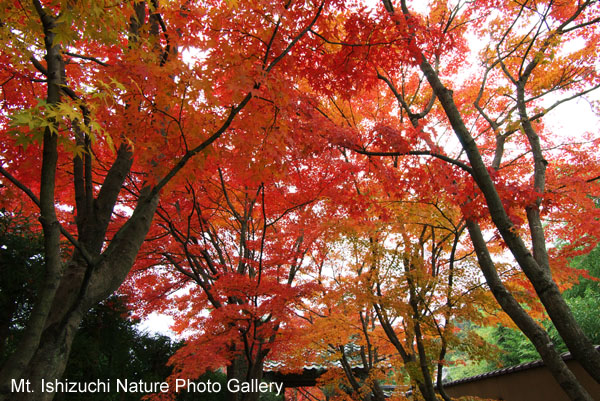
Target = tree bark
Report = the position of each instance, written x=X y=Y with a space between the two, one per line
x=575 y=339
x=95 y=270
x=240 y=370
x=426 y=389
x=537 y=335
x=63 y=300
x=75 y=296
x=16 y=364
x=539 y=275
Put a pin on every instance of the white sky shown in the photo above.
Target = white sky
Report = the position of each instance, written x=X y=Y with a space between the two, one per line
x=157 y=323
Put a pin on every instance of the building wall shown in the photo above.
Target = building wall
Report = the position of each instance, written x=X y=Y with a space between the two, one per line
x=534 y=384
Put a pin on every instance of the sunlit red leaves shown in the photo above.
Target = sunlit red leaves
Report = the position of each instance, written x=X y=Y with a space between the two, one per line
x=252 y=316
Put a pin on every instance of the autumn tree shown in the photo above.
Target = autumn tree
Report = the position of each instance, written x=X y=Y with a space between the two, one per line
x=339 y=331
x=105 y=122
x=238 y=237
x=108 y=345
x=101 y=112
x=418 y=78
x=405 y=281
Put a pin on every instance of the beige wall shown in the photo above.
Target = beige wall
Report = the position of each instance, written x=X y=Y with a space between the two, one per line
x=534 y=384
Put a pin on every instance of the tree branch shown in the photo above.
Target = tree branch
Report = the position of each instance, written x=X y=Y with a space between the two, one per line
x=418 y=153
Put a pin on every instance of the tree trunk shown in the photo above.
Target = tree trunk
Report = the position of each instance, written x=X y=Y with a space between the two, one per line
x=425 y=388
x=236 y=371
x=577 y=342
x=96 y=269
x=537 y=335
x=540 y=278
x=240 y=371
x=80 y=289
x=532 y=265
x=17 y=363
x=538 y=274
x=50 y=359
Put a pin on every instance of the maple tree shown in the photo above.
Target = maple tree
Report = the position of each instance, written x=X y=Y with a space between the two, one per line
x=401 y=281
x=409 y=92
x=339 y=333
x=229 y=120
x=239 y=235
x=88 y=111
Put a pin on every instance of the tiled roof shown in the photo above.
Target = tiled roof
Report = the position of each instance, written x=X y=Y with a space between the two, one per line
x=511 y=369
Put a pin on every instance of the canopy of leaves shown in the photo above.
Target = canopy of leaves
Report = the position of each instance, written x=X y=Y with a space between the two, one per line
x=301 y=172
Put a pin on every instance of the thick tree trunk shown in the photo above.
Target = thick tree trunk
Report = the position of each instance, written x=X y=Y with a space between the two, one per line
x=537 y=335
x=581 y=348
x=534 y=266
x=79 y=290
x=96 y=269
x=92 y=274
x=17 y=363
x=240 y=371
x=50 y=359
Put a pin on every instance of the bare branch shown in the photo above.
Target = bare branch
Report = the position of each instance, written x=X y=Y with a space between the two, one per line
x=89 y=58
x=418 y=153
